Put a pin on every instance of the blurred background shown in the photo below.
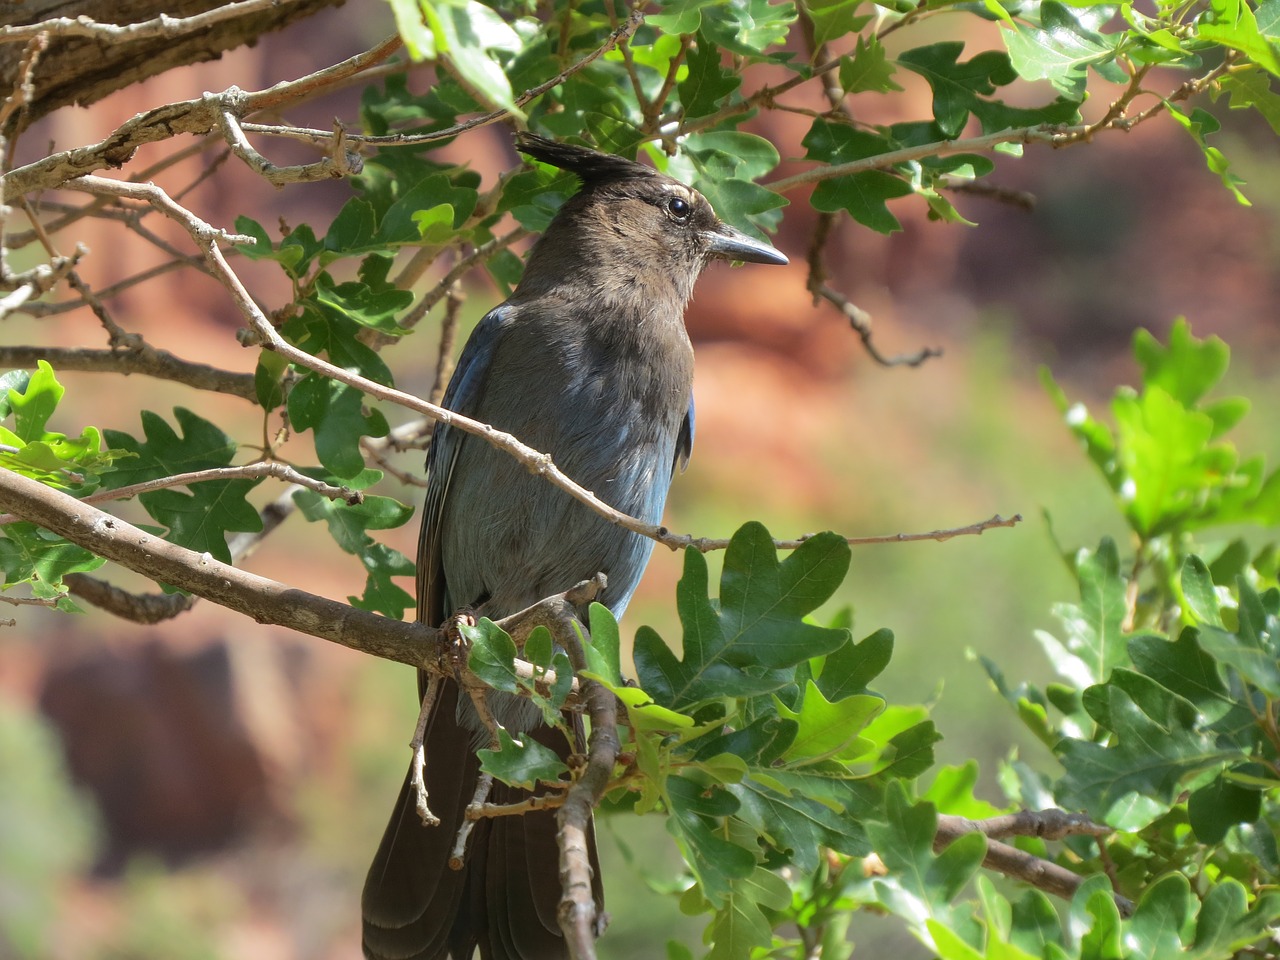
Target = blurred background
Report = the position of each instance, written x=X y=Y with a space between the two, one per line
x=212 y=788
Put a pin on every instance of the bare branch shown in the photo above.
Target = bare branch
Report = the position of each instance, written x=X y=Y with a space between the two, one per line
x=1053 y=134
x=707 y=544
x=197 y=117
x=340 y=162
x=266 y=601
x=417 y=744
x=577 y=912
x=858 y=318
x=144 y=608
x=249 y=471
x=163 y=26
x=139 y=357
x=1012 y=862
x=29 y=601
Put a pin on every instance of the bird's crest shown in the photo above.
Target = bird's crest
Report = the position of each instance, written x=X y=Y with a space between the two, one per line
x=589 y=166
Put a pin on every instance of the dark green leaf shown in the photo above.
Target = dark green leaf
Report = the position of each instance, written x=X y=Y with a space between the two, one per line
x=707 y=83
x=493 y=655
x=336 y=414
x=522 y=762
x=867 y=68
x=847 y=671
x=1220 y=805
x=751 y=644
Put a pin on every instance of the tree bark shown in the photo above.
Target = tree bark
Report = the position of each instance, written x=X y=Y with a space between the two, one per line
x=82 y=70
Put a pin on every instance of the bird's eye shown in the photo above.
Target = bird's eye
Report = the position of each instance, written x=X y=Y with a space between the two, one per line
x=679 y=208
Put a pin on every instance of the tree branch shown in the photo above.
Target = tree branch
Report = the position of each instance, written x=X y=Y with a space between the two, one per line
x=266 y=601
x=1012 y=862
x=139 y=357
x=198 y=117
x=163 y=26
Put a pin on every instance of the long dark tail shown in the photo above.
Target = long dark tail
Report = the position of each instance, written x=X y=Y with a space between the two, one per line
x=505 y=898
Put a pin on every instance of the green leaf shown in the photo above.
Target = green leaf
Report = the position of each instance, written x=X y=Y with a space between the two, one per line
x=381 y=594
x=921 y=885
x=336 y=414
x=1252 y=87
x=1188 y=368
x=1234 y=25
x=1093 y=910
x=1061 y=48
x=349 y=525
x=1160 y=916
x=707 y=83
x=603 y=651
x=961 y=89
x=740 y=925
x=752 y=642
x=493 y=655
x=521 y=762
x=847 y=670
x=867 y=68
x=472 y=38
x=34 y=404
x=368 y=306
x=1255 y=664
x=725 y=163
x=802 y=811
x=835 y=19
x=200 y=519
x=827 y=730
x=716 y=861
x=1199 y=592
x=1228 y=923
x=1220 y=805
x=1093 y=628
x=678 y=17
x=1199 y=125
x=40 y=559
x=864 y=197
x=1184 y=668
x=748 y=27
x=1134 y=779
x=413 y=29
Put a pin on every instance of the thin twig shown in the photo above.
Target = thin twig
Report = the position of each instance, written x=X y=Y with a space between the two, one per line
x=484 y=783
x=417 y=745
x=537 y=801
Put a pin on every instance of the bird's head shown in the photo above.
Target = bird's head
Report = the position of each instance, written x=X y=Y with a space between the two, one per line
x=631 y=225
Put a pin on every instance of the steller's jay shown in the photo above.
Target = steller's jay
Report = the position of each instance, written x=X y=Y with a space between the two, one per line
x=589 y=362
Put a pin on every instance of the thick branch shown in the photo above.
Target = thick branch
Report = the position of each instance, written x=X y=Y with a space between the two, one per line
x=266 y=601
x=1012 y=862
x=137 y=358
x=87 y=60
x=198 y=117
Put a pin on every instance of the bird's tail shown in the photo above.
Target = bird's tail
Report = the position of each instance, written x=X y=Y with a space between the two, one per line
x=505 y=898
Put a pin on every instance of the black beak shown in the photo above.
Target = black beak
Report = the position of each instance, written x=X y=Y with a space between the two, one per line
x=729 y=244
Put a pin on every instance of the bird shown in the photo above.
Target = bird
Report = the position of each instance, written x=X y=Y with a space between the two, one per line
x=588 y=361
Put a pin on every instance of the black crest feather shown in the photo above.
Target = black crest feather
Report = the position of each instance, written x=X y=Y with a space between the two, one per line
x=589 y=166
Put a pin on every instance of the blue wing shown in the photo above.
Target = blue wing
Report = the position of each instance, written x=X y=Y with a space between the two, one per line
x=466 y=386
x=684 y=442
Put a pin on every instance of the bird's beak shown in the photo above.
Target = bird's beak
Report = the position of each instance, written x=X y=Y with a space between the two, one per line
x=730 y=244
